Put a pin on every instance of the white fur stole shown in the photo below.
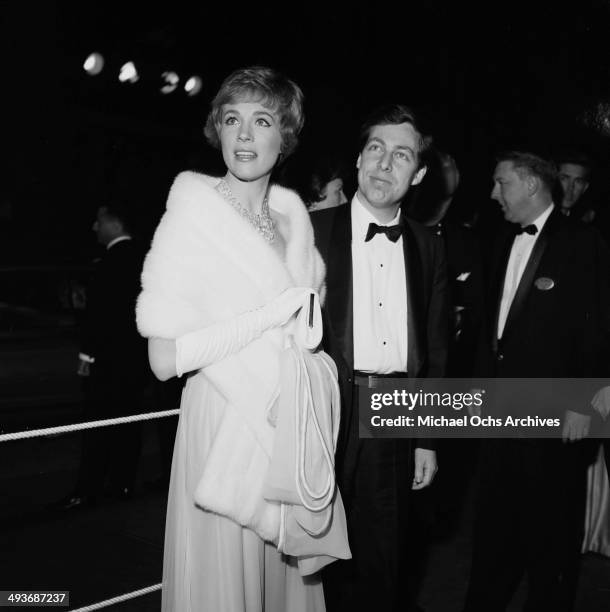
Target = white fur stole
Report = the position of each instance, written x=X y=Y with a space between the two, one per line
x=208 y=264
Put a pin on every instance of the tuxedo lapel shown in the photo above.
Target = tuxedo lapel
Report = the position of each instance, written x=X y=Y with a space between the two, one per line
x=500 y=277
x=339 y=283
x=525 y=284
x=415 y=293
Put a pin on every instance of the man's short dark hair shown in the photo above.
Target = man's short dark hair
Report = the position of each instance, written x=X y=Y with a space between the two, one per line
x=526 y=163
x=578 y=158
x=395 y=114
x=119 y=211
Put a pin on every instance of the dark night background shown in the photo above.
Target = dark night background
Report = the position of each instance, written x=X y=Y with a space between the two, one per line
x=507 y=74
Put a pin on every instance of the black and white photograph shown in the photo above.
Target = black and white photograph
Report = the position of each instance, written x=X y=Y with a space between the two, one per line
x=305 y=308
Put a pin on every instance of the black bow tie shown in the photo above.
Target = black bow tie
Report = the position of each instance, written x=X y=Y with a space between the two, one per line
x=393 y=232
x=531 y=229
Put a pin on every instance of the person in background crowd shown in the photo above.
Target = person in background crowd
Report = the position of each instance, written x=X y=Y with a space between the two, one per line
x=574 y=175
x=432 y=205
x=543 y=320
x=324 y=186
x=112 y=362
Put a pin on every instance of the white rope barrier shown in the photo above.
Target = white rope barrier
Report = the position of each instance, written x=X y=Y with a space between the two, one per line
x=35 y=433
x=119 y=599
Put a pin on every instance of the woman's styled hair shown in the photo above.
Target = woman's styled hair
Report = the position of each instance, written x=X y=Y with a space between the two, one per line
x=269 y=87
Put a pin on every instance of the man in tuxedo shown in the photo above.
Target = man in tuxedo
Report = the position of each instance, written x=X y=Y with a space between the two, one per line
x=113 y=363
x=385 y=316
x=433 y=206
x=544 y=320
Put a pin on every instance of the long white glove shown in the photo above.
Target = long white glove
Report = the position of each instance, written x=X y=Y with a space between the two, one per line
x=206 y=346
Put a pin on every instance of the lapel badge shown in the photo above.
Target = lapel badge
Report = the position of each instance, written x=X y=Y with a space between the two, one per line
x=544 y=284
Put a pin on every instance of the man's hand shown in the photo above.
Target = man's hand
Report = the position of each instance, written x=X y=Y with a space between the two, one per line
x=83 y=368
x=472 y=409
x=601 y=402
x=425 y=468
x=575 y=426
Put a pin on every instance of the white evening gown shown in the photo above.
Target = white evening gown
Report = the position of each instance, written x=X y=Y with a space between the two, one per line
x=597 y=517
x=210 y=562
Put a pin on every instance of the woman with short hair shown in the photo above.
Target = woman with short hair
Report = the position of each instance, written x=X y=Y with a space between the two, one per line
x=231 y=264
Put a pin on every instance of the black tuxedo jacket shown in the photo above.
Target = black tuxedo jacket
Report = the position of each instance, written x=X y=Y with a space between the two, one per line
x=109 y=331
x=427 y=298
x=466 y=291
x=556 y=324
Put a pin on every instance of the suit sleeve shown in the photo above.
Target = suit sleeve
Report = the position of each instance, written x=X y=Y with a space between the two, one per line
x=595 y=341
x=603 y=311
x=96 y=290
x=437 y=325
x=109 y=330
x=438 y=314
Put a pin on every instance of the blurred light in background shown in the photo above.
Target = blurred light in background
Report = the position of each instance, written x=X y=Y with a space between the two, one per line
x=193 y=86
x=128 y=73
x=170 y=81
x=599 y=118
x=94 y=64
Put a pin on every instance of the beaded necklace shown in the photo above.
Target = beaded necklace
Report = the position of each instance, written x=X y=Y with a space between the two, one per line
x=262 y=222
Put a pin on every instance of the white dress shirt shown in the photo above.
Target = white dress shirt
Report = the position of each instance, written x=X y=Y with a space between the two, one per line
x=523 y=244
x=380 y=297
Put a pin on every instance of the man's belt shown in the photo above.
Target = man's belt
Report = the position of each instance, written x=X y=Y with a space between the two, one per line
x=366 y=379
